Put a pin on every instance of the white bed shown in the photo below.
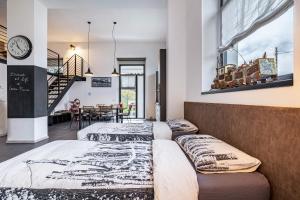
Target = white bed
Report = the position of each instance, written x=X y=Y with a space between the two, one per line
x=100 y=170
x=125 y=132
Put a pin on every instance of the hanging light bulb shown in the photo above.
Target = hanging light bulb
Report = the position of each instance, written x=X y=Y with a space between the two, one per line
x=89 y=72
x=114 y=73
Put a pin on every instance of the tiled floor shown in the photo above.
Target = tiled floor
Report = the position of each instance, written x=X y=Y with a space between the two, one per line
x=56 y=132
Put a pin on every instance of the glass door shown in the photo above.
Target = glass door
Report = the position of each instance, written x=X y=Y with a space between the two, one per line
x=132 y=90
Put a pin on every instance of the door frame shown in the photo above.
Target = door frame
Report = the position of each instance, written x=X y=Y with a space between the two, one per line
x=136 y=87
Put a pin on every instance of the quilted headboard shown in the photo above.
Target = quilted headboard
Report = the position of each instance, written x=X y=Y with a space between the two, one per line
x=271 y=134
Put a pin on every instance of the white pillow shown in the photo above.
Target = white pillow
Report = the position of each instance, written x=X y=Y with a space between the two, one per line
x=211 y=155
x=182 y=125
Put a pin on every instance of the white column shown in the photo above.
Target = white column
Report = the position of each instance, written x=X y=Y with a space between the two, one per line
x=176 y=61
x=28 y=18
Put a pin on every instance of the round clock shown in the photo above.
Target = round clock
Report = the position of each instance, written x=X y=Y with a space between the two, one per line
x=19 y=47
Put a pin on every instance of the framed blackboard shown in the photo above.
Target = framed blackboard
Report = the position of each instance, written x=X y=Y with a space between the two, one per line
x=101 y=81
x=26 y=91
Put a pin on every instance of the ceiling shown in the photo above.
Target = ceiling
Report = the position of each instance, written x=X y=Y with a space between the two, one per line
x=138 y=20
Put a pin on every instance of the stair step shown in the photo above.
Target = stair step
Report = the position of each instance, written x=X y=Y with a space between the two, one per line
x=57 y=85
x=52 y=96
x=56 y=88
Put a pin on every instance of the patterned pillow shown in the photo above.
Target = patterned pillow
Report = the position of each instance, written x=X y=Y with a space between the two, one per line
x=211 y=155
x=182 y=125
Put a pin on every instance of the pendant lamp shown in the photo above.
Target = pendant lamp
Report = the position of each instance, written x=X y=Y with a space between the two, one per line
x=89 y=72
x=114 y=73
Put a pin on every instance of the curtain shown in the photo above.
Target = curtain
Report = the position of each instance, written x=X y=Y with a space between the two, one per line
x=240 y=18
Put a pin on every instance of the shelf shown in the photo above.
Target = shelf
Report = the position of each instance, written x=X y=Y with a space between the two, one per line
x=283 y=81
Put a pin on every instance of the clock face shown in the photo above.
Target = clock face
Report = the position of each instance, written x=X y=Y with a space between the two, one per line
x=19 y=47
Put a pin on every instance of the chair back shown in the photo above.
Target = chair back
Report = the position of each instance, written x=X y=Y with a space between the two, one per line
x=74 y=108
x=106 y=108
x=129 y=109
x=88 y=109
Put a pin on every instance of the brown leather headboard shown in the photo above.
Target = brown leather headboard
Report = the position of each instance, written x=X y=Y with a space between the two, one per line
x=271 y=134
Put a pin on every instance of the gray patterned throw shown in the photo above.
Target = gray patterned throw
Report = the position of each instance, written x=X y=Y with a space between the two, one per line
x=117 y=132
x=107 y=170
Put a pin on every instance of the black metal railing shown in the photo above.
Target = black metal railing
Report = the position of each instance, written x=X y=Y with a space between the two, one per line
x=3 y=44
x=61 y=76
x=74 y=66
x=54 y=62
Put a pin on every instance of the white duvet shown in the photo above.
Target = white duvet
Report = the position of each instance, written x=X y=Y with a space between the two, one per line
x=161 y=130
x=174 y=177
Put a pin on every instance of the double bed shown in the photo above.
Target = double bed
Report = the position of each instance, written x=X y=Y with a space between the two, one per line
x=95 y=170
x=146 y=131
x=130 y=170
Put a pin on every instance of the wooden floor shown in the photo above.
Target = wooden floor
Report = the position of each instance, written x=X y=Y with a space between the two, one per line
x=56 y=132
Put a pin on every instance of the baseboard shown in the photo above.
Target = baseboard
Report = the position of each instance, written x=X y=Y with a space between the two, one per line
x=26 y=141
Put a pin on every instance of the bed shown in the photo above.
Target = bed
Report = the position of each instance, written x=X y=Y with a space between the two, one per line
x=176 y=173
x=146 y=131
x=92 y=170
x=80 y=170
x=117 y=171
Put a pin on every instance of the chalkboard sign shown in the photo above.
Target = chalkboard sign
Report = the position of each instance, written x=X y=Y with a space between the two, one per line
x=26 y=91
x=20 y=82
x=101 y=81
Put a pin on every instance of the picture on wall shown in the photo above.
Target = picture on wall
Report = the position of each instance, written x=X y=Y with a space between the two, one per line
x=101 y=81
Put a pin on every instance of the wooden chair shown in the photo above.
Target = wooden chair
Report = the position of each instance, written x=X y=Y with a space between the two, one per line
x=88 y=113
x=123 y=115
x=74 y=109
x=106 y=112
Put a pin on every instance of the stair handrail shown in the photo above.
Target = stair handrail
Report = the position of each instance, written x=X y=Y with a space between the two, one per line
x=68 y=70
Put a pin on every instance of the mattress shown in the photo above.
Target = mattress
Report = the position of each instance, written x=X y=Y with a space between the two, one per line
x=146 y=131
x=234 y=186
x=80 y=170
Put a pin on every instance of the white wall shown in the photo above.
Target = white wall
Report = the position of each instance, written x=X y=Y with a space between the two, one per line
x=198 y=59
x=34 y=15
x=3 y=99
x=176 y=62
x=3 y=82
x=286 y=96
x=101 y=61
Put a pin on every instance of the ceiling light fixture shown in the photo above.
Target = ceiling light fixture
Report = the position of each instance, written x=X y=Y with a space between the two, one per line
x=114 y=73
x=73 y=47
x=89 y=72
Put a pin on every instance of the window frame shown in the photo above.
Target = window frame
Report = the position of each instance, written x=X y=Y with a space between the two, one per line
x=283 y=80
x=136 y=86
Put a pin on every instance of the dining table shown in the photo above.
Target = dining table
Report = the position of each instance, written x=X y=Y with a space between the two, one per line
x=116 y=108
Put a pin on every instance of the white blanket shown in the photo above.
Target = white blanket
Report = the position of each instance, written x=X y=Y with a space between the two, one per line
x=126 y=132
x=174 y=177
x=68 y=164
x=161 y=130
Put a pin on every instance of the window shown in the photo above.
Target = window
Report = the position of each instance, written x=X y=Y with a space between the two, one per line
x=256 y=45
x=132 y=89
x=275 y=38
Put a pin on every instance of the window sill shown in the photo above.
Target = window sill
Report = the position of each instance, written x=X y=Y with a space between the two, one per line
x=283 y=81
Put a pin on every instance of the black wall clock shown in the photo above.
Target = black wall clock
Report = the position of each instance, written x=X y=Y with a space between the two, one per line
x=19 y=47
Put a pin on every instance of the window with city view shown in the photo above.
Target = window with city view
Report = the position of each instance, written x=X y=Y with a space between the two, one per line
x=256 y=44
x=276 y=39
